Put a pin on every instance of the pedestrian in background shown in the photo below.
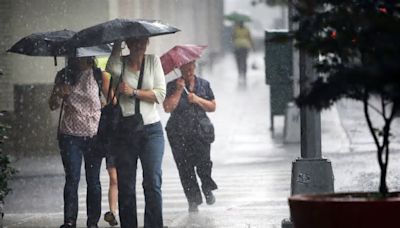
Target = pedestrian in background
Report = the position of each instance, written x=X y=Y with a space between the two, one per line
x=149 y=147
x=77 y=89
x=188 y=97
x=242 y=42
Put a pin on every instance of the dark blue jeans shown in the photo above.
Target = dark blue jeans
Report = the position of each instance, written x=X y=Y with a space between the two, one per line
x=150 y=150
x=72 y=149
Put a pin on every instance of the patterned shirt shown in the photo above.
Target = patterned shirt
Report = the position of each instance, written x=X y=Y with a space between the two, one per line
x=82 y=107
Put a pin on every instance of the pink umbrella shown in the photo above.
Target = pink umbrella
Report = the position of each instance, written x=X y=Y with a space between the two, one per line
x=180 y=55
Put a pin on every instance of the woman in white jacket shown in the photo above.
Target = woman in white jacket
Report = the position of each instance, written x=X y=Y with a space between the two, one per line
x=149 y=146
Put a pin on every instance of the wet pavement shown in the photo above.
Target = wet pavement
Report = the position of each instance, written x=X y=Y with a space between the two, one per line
x=252 y=166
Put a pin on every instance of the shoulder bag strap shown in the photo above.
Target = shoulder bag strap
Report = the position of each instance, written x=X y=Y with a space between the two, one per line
x=61 y=109
x=119 y=81
x=59 y=119
x=98 y=76
x=139 y=86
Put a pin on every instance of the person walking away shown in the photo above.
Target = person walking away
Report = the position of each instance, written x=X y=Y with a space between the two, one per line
x=148 y=147
x=77 y=90
x=189 y=151
x=242 y=42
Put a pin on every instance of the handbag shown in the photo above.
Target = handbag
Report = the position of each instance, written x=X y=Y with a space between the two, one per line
x=109 y=121
x=110 y=116
x=132 y=127
x=205 y=129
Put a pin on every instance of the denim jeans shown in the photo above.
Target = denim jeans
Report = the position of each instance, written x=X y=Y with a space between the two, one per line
x=73 y=148
x=150 y=150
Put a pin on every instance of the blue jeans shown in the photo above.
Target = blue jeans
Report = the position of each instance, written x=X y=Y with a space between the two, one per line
x=150 y=150
x=72 y=149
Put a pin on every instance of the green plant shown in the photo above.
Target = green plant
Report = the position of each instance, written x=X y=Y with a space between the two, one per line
x=357 y=51
x=6 y=171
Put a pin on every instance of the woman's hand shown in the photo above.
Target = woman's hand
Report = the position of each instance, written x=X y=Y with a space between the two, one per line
x=63 y=90
x=180 y=83
x=206 y=105
x=193 y=98
x=60 y=91
x=125 y=89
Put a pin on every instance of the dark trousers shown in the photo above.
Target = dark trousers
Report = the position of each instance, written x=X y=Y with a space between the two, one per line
x=241 y=60
x=150 y=150
x=72 y=149
x=192 y=156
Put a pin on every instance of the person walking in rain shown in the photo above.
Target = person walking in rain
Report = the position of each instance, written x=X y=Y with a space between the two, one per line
x=242 y=42
x=149 y=147
x=78 y=88
x=103 y=145
x=189 y=97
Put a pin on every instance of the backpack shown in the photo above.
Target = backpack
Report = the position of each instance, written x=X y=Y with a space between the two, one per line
x=98 y=76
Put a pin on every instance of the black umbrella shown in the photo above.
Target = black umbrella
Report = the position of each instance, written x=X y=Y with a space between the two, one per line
x=120 y=29
x=43 y=43
x=53 y=44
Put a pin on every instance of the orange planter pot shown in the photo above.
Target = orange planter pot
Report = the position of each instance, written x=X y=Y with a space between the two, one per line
x=345 y=210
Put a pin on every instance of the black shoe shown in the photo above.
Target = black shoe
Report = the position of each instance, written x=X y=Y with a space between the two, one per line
x=210 y=198
x=110 y=218
x=93 y=226
x=68 y=225
x=193 y=207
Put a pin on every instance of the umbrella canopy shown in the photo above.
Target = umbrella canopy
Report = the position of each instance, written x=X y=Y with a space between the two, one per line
x=180 y=55
x=120 y=29
x=53 y=44
x=43 y=43
x=237 y=17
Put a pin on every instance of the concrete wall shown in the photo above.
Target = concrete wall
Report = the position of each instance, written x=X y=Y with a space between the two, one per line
x=6 y=85
x=27 y=81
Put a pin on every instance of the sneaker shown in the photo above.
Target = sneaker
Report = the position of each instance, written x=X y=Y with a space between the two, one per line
x=193 y=207
x=210 y=198
x=110 y=218
x=68 y=225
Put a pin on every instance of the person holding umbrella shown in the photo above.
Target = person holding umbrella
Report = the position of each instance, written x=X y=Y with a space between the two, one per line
x=149 y=146
x=77 y=91
x=139 y=85
x=242 y=42
x=188 y=99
